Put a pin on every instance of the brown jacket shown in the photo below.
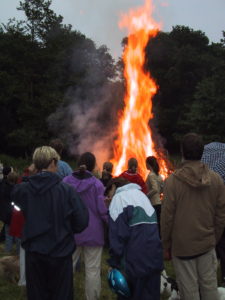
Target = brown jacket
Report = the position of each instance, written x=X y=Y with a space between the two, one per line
x=193 y=210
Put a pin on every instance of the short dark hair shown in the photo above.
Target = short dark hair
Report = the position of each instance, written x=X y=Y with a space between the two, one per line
x=117 y=181
x=57 y=144
x=6 y=170
x=132 y=165
x=12 y=177
x=88 y=159
x=152 y=162
x=108 y=166
x=192 y=146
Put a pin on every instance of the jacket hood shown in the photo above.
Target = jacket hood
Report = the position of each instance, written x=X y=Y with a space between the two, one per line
x=194 y=173
x=81 y=182
x=128 y=187
x=43 y=181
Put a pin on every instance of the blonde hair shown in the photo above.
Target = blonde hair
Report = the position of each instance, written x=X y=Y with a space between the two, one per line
x=43 y=156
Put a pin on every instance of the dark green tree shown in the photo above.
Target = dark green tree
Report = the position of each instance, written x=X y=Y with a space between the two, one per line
x=179 y=61
x=43 y=65
x=40 y=19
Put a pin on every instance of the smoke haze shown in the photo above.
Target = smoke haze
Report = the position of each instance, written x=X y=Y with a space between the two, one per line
x=88 y=116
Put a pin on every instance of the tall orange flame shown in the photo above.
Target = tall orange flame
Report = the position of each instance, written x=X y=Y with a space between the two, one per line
x=134 y=135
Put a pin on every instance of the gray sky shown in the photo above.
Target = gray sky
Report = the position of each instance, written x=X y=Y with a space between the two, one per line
x=98 y=19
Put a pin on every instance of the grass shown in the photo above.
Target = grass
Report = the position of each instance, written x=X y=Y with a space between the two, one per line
x=11 y=291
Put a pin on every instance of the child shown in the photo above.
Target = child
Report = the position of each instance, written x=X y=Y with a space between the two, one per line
x=107 y=172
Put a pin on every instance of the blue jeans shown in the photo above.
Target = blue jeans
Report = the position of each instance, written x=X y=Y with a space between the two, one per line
x=9 y=241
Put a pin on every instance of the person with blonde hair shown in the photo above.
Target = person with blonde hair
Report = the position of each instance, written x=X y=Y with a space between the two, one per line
x=53 y=212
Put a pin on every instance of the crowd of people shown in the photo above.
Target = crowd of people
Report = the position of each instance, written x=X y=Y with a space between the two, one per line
x=54 y=214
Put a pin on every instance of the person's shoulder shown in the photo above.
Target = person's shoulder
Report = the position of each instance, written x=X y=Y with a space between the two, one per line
x=65 y=183
x=98 y=182
x=170 y=178
x=138 y=176
x=123 y=174
x=66 y=187
x=153 y=175
x=20 y=188
x=62 y=163
x=68 y=178
x=216 y=177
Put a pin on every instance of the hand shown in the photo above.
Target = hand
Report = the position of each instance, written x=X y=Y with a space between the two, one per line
x=167 y=254
x=107 y=201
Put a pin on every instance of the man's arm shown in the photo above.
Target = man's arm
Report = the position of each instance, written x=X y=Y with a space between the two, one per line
x=168 y=213
x=119 y=232
x=220 y=210
x=100 y=201
x=153 y=186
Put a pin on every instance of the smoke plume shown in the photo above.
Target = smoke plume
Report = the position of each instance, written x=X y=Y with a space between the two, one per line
x=87 y=118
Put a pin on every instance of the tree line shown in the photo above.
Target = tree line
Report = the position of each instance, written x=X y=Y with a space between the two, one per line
x=190 y=73
x=51 y=74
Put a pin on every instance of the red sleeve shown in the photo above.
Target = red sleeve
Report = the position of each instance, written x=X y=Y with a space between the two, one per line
x=142 y=184
x=135 y=178
x=125 y=175
x=17 y=223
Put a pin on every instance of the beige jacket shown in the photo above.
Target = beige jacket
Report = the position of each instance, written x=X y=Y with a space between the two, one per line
x=154 y=185
x=193 y=210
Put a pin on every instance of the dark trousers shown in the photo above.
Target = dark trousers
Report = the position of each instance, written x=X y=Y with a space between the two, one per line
x=145 y=288
x=158 y=214
x=220 y=251
x=49 y=278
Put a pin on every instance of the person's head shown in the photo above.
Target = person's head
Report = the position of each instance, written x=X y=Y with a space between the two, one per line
x=132 y=165
x=113 y=184
x=12 y=177
x=6 y=170
x=57 y=144
x=88 y=160
x=108 y=167
x=152 y=164
x=192 y=146
x=45 y=158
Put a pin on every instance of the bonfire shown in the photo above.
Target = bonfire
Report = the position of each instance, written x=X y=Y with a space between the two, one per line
x=134 y=136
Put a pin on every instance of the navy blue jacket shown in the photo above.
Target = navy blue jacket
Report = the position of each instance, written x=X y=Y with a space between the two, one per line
x=53 y=212
x=135 y=246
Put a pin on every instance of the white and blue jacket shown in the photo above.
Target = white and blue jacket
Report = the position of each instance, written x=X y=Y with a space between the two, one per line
x=135 y=245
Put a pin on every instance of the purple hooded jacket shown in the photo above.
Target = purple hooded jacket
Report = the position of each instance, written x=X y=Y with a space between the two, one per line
x=91 y=191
